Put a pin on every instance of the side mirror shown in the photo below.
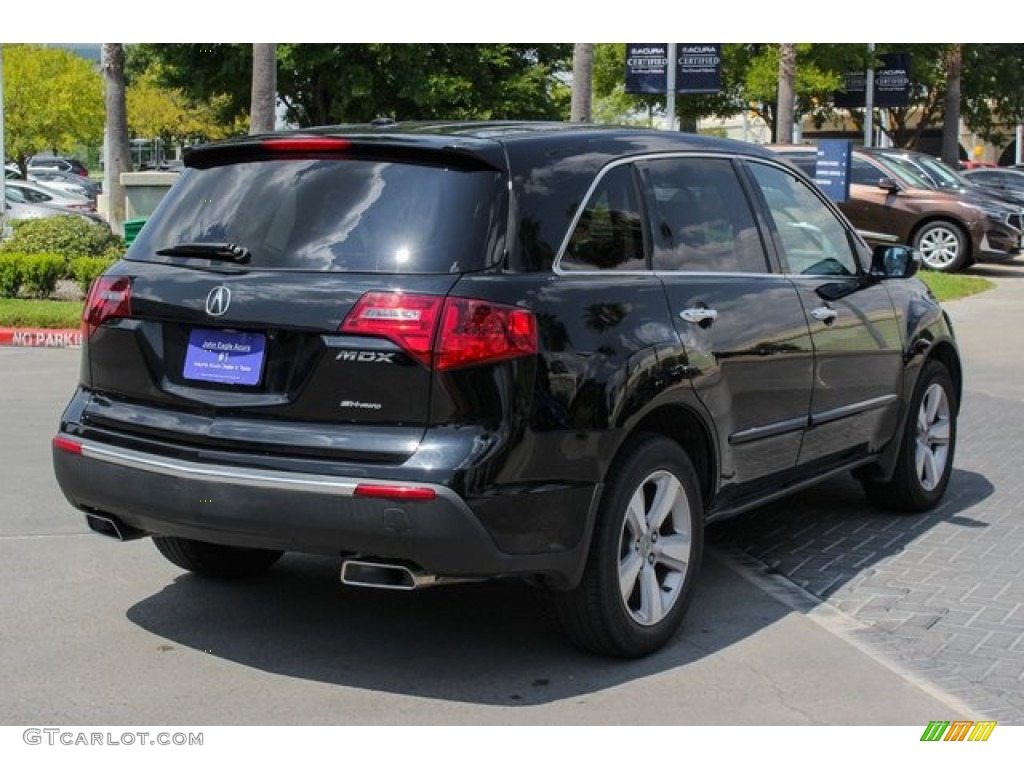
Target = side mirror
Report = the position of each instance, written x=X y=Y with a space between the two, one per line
x=889 y=185
x=894 y=261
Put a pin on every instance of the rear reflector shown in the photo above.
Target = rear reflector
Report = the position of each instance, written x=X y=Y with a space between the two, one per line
x=306 y=144
x=395 y=492
x=445 y=333
x=109 y=297
x=70 y=446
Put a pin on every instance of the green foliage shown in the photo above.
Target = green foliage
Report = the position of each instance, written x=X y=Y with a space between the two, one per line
x=84 y=270
x=41 y=271
x=69 y=236
x=11 y=274
x=323 y=84
x=53 y=101
x=993 y=89
x=168 y=113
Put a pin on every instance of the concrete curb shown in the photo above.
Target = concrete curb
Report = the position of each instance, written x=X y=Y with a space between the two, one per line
x=40 y=337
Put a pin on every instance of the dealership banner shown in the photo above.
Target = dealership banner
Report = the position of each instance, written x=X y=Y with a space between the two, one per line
x=646 y=67
x=698 y=67
x=892 y=84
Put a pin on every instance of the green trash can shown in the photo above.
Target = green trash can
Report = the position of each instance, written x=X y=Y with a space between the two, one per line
x=131 y=230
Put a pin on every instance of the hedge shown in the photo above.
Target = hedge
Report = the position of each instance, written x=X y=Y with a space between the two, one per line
x=70 y=236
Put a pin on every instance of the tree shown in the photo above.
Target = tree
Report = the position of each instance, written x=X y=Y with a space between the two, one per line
x=787 y=88
x=992 y=89
x=321 y=84
x=118 y=154
x=582 y=86
x=166 y=113
x=951 y=118
x=264 y=88
x=53 y=101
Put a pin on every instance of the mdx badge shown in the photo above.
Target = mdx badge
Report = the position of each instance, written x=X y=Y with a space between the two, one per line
x=353 y=356
x=218 y=301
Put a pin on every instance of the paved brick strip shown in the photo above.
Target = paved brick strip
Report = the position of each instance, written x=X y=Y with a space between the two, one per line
x=41 y=337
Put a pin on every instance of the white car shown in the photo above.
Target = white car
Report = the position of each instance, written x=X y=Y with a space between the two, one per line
x=58 y=181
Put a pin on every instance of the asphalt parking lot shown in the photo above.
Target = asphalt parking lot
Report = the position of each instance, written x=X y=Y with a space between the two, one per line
x=815 y=610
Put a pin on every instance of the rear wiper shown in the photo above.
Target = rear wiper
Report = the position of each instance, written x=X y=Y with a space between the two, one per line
x=222 y=251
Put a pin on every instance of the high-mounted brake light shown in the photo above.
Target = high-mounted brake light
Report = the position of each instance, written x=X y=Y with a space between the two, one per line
x=109 y=297
x=306 y=144
x=445 y=333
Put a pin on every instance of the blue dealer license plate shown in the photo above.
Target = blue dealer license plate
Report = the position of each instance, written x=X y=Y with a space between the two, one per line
x=224 y=357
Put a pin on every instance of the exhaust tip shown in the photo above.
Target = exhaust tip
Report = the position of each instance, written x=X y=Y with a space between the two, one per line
x=365 y=573
x=110 y=526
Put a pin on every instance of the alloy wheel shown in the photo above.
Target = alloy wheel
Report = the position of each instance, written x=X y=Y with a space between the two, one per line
x=654 y=548
x=933 y=432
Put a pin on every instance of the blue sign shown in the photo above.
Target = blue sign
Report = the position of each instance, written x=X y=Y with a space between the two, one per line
x=646 y=67
x=892 y=84
x=698 y=68
x=832 y=171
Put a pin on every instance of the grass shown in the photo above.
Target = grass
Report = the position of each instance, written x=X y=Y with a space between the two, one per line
x=40 y=313
x=44 y=313
x=948 y=287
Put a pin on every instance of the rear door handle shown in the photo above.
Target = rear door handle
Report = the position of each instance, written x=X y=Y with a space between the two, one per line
x=827 y=315
x=699 y=315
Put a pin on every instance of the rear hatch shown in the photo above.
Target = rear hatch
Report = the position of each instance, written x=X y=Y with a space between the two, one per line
x=285 y=295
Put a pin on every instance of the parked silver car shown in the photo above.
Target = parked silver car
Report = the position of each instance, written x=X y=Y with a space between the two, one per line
x=26 y=200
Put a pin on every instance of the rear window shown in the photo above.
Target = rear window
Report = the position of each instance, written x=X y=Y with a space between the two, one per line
x=334 y=215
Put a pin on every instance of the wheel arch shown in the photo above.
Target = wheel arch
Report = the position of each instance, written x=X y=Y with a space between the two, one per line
x=686 y=428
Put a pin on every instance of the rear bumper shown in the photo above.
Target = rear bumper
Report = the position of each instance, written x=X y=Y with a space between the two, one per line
x=321 y=513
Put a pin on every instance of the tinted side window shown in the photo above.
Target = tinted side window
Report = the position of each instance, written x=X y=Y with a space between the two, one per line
x=700 y=217
x=609 y=233
x=814 y=241
x=863 y=172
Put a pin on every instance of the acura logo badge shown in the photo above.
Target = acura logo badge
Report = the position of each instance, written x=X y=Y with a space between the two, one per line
x=218 y=301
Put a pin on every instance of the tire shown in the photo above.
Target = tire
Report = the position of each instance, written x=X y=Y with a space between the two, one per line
x=656 y=565
x=215 y=560
x=943 y=246
x=925 y=460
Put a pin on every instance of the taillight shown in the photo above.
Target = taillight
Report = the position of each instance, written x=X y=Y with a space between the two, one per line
x=108 y=297
x=409 y=320
x=477 y=331
x=445 y=333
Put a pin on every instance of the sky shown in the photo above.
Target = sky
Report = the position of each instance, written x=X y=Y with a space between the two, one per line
x=523 y=21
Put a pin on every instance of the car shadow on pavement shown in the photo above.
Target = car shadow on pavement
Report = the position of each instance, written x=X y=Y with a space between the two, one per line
x=298 y=620
x=829 y=536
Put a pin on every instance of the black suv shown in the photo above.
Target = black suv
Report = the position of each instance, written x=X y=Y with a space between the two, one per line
x=463 y=351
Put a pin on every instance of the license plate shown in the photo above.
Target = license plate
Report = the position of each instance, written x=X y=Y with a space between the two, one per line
x=224 y=357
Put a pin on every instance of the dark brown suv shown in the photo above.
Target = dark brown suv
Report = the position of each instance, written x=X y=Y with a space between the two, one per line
x=889 y=204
